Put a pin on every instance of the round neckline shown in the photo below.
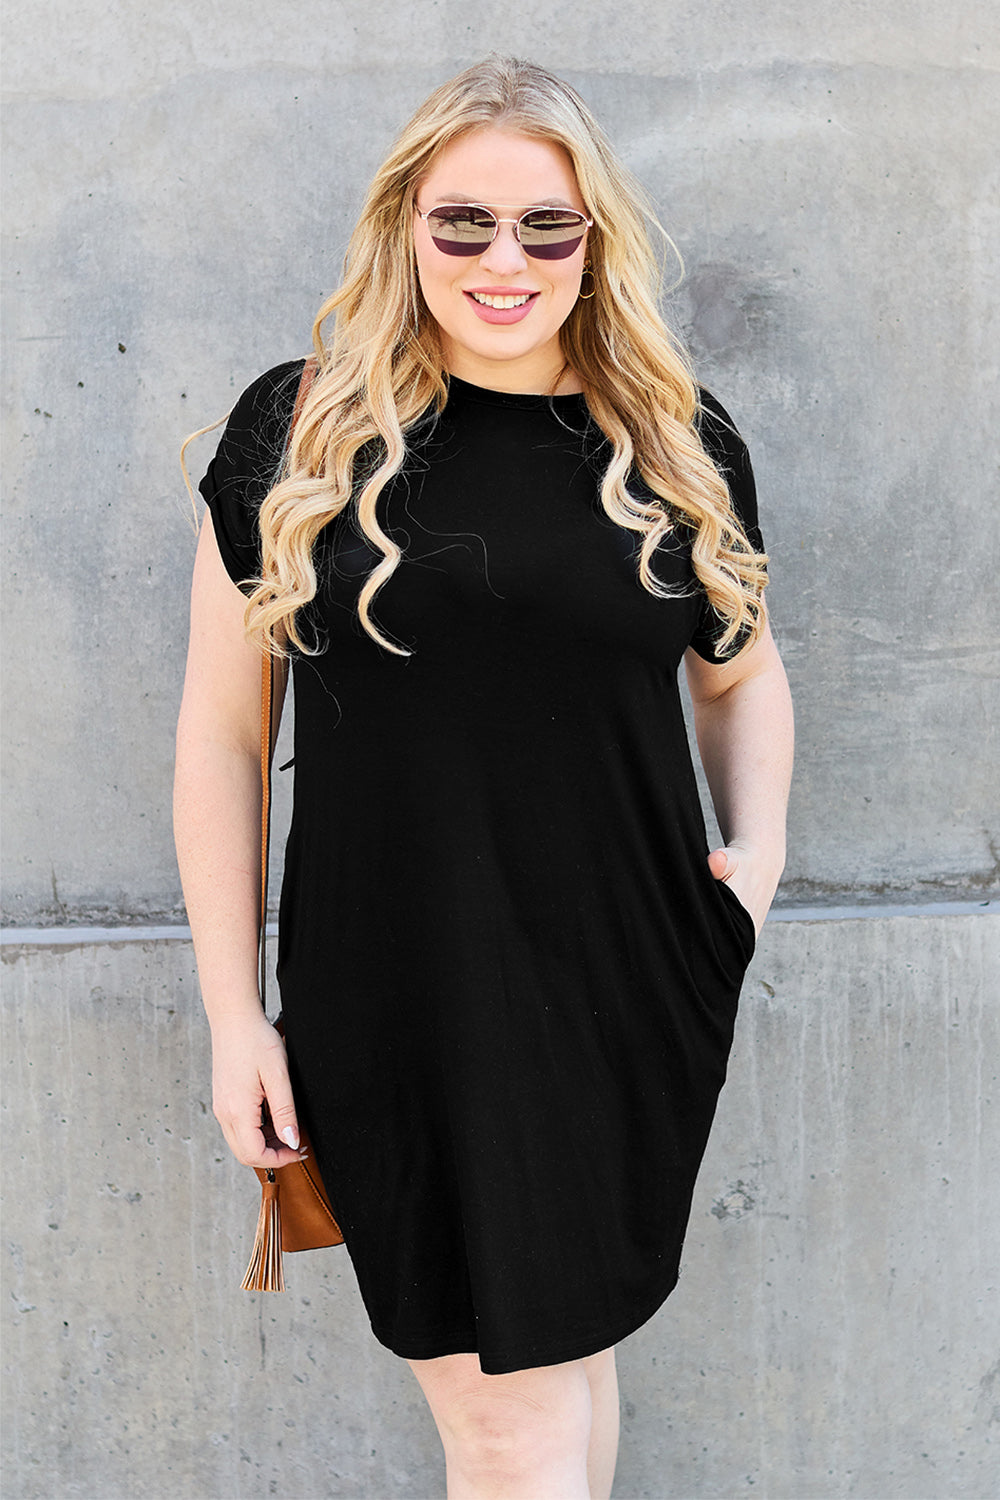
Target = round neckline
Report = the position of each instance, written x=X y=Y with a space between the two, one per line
x=518 y=400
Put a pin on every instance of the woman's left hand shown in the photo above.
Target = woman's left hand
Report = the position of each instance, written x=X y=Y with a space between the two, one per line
x=743 y=719
x=747 y=876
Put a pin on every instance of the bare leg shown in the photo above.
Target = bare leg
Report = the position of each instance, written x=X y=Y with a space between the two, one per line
x=602 y=1454
x=510 y=1437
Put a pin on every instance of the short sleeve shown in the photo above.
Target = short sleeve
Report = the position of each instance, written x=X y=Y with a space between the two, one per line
x=246 y=466
x=728 y=452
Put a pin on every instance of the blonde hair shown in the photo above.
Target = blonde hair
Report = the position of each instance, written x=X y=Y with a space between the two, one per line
x=383 y=368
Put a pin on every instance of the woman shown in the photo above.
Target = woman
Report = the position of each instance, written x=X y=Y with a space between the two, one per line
x=509 y=966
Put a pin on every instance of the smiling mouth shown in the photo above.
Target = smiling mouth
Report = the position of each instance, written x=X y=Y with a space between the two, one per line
x=485 y=300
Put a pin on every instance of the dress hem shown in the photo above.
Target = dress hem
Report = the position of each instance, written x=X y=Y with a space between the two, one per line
x=508 y=1362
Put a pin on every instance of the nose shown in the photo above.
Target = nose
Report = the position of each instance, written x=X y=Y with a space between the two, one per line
x=505 y=255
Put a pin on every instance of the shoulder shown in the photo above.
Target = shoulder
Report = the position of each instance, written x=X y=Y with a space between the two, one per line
x=271 y=387
x=718 y=431
x=252 y=446
x=725 y=447
x=264 y=410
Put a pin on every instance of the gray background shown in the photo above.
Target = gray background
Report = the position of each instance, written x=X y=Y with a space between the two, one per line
x=180 y=184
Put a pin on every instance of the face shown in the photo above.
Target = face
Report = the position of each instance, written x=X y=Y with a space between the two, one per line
x=504 y=348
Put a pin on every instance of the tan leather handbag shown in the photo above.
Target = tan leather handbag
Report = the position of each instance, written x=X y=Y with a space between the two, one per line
x=295 y=1212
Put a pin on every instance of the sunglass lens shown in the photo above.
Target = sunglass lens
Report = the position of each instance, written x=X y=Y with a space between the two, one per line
x=461 y=230
x=551 y=233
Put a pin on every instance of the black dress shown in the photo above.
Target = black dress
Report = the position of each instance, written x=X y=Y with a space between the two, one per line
x=509 y=980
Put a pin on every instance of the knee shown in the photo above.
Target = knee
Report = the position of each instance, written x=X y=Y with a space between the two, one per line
x=505 y=1435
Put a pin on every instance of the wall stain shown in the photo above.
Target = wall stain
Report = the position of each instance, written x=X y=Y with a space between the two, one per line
x=736 y=1202
x=988 y=1404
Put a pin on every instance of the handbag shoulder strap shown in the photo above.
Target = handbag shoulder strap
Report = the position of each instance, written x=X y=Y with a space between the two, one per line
x=269 y=726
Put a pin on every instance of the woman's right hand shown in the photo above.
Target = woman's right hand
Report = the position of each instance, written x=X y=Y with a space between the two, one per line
x=251 y=1092
x=217 y=813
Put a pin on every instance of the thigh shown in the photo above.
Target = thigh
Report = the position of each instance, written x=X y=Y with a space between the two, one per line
x=602 y=1378
x=600 y=1369
x=460 y=1395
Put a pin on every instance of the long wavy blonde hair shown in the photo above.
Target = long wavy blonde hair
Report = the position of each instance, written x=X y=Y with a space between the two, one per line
x=383 y=368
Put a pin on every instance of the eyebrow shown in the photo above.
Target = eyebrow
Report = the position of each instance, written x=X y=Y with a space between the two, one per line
x=464 y=198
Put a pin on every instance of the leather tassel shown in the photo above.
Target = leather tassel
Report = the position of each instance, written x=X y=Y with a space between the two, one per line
x=265 y=1273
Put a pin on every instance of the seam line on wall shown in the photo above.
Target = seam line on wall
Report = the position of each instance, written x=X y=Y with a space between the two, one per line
x=57 y=937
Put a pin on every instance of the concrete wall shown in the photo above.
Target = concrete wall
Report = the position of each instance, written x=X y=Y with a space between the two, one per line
x=180 y=184
x=836 y=1331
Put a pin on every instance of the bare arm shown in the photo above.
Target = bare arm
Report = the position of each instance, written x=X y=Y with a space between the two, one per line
x=217 y=798
x=743 y=721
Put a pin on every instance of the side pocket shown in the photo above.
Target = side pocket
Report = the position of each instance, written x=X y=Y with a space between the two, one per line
x=742 y=921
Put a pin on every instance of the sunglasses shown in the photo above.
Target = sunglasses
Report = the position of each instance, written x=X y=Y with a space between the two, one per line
x=470 y=228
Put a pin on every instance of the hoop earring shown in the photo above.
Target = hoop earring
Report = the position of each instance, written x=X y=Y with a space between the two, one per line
x=586 y=296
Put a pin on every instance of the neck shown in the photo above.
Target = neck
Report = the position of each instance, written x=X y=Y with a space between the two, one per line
x=515 y=377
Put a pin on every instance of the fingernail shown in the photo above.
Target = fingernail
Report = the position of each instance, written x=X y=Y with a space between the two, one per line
x=290 y=1137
